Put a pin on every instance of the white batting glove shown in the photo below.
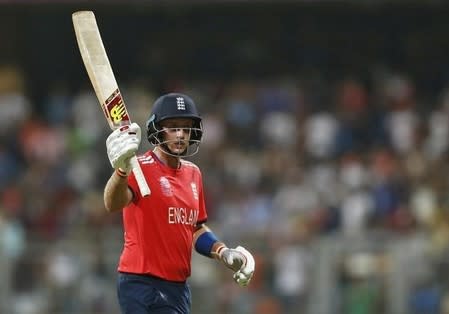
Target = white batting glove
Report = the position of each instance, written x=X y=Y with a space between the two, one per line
x=241 y=262
x=121 y=145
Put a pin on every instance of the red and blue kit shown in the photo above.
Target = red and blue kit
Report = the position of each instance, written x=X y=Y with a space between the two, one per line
x=159 y=228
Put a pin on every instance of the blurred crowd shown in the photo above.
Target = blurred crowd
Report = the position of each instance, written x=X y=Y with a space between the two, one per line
x=287 y=162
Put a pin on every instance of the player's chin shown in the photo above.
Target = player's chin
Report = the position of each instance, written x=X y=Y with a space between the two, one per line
x=178 y=149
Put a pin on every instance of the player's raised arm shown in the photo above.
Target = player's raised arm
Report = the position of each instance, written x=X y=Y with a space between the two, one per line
x=103 y=80
x=239 y=260
x=121 y=146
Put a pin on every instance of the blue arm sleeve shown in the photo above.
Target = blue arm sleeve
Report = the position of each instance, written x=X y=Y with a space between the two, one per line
x=205 y=242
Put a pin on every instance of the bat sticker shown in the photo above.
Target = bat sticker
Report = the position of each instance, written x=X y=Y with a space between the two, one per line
x=115 y=108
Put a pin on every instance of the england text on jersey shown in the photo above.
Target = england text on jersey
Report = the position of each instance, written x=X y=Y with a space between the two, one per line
x=180 y=215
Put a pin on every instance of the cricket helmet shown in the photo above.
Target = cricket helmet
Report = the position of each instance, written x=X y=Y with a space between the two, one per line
x=169 y=106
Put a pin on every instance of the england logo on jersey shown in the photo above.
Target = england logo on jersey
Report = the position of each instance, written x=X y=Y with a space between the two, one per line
x=194 y=190
x=165 y=186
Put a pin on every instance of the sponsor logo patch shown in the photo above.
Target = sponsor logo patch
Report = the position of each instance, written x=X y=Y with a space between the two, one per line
x=165 y=186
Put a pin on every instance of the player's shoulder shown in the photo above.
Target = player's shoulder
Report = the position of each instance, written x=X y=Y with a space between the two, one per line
x=189 y=164
x=146 y=158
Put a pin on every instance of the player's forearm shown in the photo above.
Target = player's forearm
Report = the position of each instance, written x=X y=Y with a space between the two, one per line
x=116 y=193
x=206 y=243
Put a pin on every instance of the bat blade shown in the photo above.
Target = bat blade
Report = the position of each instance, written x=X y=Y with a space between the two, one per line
x=103 y=80
x=99 y=68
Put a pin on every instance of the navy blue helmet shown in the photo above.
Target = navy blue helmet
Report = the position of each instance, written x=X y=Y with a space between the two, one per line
x=173 y=105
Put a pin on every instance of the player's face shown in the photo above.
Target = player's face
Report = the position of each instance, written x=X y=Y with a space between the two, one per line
x=177 y=134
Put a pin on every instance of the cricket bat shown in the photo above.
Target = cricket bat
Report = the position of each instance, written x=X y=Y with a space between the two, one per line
x=103 y=80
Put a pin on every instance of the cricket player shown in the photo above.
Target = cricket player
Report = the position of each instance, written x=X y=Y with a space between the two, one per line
x=160 y=230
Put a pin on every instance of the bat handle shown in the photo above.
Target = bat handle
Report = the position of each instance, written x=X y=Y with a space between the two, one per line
x=141 y=182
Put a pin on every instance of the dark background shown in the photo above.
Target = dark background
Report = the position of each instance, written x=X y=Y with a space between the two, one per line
x=225 y=40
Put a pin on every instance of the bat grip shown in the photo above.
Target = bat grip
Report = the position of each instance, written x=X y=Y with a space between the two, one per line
x=141 y=182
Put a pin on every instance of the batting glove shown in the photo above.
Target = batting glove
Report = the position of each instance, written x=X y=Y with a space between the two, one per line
x=241 y=262
x=121 y=145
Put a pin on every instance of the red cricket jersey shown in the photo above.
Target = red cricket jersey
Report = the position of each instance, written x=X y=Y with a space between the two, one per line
x=159 y=228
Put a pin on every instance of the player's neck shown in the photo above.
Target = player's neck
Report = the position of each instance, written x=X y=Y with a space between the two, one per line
x=170 y=161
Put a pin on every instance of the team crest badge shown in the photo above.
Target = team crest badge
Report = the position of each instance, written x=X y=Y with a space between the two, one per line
x=180 y=103
x=194 y=190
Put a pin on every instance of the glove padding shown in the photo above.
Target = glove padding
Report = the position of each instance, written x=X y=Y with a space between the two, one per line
x=241 y=262
x=122 y=144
